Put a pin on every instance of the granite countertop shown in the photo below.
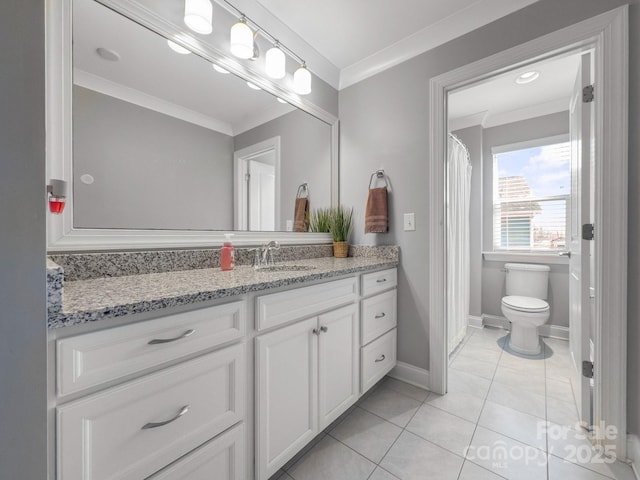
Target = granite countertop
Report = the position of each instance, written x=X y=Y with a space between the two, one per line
x=102 y=298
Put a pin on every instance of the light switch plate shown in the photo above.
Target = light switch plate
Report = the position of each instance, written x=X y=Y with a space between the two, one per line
x=409 y=222
x=289 y=226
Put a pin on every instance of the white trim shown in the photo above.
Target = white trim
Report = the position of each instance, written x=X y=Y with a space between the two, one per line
x=411 y=374
x=61 y=235
x=533 y=143
x=607 y=34
x=261 y=117
x=527 y=113
x=475 y=321
x=144 y=100
x=633 y=452
x=552 y=258
x=496 y=321
x=467 y=121
x=547 y=330
x=461 y=22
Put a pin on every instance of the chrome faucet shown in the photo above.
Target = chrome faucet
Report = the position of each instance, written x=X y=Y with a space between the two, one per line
x=263 y=256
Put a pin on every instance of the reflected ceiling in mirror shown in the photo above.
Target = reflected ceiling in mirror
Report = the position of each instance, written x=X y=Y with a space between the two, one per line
x=162 y=141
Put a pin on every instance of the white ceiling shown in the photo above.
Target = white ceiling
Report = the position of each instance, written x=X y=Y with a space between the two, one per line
x=364 y=37
x=501 y=100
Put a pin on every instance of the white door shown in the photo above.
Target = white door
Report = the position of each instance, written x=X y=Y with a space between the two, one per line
x=580 y=274
x=338 y=367
x=261 y=178
x=286 y=394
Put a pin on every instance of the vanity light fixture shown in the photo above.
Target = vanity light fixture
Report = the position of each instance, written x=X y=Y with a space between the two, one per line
x=253 y=86
x=177 y=48
x=302 y=80
x=241 y=41
x=219 y=69
x=275 y=62
x=527 y=77
x=198 y=16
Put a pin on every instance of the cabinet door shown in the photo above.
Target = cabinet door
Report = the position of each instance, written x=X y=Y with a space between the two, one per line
x=339 y=362
x=286 y=394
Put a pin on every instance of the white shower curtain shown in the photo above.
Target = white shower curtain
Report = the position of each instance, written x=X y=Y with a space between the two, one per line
x=458 y=274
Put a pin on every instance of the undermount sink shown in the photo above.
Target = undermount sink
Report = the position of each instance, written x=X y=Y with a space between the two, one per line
x=285 y=268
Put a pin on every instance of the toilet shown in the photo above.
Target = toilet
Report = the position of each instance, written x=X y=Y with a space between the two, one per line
x=525 y=305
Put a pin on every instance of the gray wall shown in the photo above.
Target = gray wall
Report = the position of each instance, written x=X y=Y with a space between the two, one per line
x=305 y=156
x=385 y=123
x=633 y=399
x=472 y=139
x=492 y=276
x=23 y=363
x=151 y=170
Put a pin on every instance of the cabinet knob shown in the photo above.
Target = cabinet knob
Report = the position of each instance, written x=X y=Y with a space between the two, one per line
x=324 y=329
x=381 y=315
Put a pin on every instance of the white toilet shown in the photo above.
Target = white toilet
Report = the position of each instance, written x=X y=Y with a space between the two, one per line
x=525 y=306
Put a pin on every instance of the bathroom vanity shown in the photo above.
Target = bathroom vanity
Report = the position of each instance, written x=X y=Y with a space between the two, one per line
x=204 y=373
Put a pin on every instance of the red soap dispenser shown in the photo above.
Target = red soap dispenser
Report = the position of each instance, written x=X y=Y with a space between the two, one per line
x=227 y=254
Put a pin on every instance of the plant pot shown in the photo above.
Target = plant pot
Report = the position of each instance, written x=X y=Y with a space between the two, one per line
x=340 y=249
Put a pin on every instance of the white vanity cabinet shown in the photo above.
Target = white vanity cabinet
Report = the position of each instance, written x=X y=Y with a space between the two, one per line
x=307 y=375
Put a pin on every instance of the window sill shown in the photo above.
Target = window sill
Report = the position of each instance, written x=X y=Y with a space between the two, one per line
x=548 y=258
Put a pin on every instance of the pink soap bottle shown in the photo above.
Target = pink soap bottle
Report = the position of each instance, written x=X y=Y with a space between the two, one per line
x=227 y=254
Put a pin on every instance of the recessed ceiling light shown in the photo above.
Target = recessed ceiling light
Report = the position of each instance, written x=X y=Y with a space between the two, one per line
x=281 y=100
x=177 y=48
x=527 y=77
x=107 y=54
x=255 y=87
x=219 y=69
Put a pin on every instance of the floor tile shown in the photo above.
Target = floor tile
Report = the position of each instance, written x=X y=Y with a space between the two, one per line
x=471 y=471
x=391 y=405
x=474 y=366
x=526 y=366
x=507 y=457
x=481 y=353
x=413 y=458
x=562 y=470
x=463 y=382
x=303 y=451
x=518 y=399
x=514 y=424
x=462 y=405
x=417 y=393
x=514 y=378
x=560 y=390
x=330 y=459
x=281 y=475
x=380 y=474
x=442 y=428
x=367 y=434
x=562 y=413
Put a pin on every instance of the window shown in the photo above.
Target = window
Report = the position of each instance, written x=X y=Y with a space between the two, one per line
x=531 y=195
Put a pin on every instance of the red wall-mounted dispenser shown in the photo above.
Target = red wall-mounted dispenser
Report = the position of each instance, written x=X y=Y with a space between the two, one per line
x=57 y=190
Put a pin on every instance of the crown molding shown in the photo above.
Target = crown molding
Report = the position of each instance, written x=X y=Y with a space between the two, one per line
x=512 y=116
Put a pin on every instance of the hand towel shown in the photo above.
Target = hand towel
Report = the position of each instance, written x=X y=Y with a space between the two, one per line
x=301 y=215
x=376 y=219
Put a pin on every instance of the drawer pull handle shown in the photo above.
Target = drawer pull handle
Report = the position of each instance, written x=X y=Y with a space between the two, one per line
x=324 y=329
x=149 y=425
x=157 y=341
x=381 y=280
x=380 y=358
x=382 y=315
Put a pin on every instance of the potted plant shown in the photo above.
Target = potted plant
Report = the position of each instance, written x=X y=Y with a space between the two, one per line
x=340 y=225
x=319 y=220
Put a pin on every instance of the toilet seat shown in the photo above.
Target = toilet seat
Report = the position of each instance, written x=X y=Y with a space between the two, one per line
x=525 y=304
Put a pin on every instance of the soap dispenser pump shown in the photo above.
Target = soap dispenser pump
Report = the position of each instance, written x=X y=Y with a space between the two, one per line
x=227 y=254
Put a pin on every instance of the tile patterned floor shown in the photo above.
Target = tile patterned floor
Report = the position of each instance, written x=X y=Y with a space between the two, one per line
x=490 y=425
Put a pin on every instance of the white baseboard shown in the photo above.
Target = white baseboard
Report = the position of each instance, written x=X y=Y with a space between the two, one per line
x=496 y=321
x=475 y=321
x=551 y=331
x=410 y=374
x=633 y=452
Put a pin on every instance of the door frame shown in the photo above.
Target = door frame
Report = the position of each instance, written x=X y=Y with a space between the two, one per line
x=240 y=157
x=607 y=34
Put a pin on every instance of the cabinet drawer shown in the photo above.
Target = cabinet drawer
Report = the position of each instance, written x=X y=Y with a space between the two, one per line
x=378 y=315
x=222 y=459
x=379 y=281
x=279 y=308
x=94 y=358
x=135 y=429
x=378 y=358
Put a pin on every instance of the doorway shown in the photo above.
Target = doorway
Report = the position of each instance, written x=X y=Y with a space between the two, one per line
x=606 y=36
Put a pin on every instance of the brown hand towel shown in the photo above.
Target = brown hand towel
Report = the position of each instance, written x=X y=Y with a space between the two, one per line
x=376 y=218
x=301 y=215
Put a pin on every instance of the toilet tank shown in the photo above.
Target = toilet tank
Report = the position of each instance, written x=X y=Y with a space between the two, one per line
x=527 y=280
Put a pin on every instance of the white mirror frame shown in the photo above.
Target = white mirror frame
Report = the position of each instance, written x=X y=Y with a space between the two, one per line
x=61 y=234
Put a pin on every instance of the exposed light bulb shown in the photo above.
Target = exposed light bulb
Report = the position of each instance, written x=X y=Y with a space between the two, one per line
x=198 y=16
x=177 y=48
x=253 y=86
x=302 y=80
x=219 y=69
x=527 y=77
x=241 y=41
x=275 y=62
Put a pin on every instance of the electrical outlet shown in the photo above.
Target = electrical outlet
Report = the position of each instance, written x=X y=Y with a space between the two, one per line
x=289 y=227
x=409 y=222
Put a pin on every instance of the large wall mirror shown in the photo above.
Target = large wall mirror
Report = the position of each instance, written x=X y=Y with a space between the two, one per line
x=162 y=149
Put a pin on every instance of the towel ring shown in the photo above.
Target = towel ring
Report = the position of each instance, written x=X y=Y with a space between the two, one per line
x=303 y=188
x=379 y=174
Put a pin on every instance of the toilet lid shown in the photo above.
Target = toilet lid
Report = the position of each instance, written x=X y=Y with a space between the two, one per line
x=525 y=304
